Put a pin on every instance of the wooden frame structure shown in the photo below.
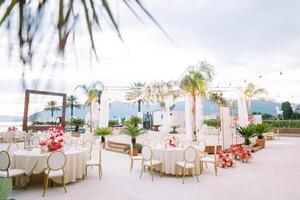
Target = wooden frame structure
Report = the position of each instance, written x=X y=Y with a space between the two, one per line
x=26 y=107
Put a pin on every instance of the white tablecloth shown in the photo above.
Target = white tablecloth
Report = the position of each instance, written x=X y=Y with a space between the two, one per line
x=74 y=168
x=169 y=157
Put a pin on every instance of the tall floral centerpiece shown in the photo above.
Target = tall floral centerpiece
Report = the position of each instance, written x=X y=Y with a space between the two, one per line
x=54 y=141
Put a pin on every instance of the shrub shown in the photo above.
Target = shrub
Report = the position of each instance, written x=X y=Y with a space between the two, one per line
x=213 y=123
x=113 y=123
x=283 y=123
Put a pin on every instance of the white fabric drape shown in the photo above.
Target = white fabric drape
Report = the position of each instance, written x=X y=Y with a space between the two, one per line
x=242 y=111
x=199 y=114
x=225 y=127
x=104 y=110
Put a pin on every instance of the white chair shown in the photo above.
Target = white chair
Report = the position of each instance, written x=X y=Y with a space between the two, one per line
x=56 y=162
x=97 y=163
x=189 y=156
x=209 y=159
x=133 y=158
x=11 y=149
x=147 y=161
x=5 y=171
x=35 y=141
x=89 y=146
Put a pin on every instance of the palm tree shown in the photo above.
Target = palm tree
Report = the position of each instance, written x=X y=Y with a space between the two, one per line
x=33 y=16
x=136 y=94
x=252 y=91
x=218 y=99
x=93 y=93
x=195 y=83
x=52 y=107
x=72 y=102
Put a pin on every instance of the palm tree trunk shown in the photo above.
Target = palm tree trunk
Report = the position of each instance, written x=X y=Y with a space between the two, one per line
x=52 y=112
x=72 y=111
x=249 y=107
x=139 y=105
x=91 y=117
x=194 y=113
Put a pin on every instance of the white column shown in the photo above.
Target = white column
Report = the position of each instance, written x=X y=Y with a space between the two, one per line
x=225 y=127
x=188 y=117
x=242 y=111
x=104 y=110
x=166 y=118
x=199 y=114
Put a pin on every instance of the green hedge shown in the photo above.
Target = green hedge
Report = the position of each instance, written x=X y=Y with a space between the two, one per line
x=283 y=123
x=213 y=122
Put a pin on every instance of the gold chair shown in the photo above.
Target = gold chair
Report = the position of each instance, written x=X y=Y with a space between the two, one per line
x=189 y=156
x=5 y=171
x=202 y=146
x=35 y=141
x=147 y=161
x=133 y=158
x=11 y=149
x=98 y=163
x=56 y=162
x=89 y=146
x=209 y=159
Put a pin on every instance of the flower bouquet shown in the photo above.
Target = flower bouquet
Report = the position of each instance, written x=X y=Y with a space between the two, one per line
x=12 y=129
x=54 y=142
x=225 y=159
x=240 y=153
x=171 y=141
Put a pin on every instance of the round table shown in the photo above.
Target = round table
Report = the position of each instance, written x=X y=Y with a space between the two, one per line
x=169 y=156
x=8 y=136
x=74 y=167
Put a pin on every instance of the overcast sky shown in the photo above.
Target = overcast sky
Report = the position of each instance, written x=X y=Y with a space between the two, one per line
x=242 y=39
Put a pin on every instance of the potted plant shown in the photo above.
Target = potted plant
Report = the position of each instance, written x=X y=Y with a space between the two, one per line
x=247 y=133
x=103 y=132
x=260 y=129
x=77 y=122
x=132 y=130
x=173 y=131
x=135 y=121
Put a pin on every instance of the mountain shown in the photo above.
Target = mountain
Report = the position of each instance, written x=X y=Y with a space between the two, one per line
x=121 y=109
x=7 y=118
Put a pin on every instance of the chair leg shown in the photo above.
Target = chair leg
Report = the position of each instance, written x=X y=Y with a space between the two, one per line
x=206 y=165
x=131 y=165
x=64 y=183
x=161 y=168
x=86 y=170
x=183 y=175
x=142 y=171
x=151 y=172
x=46 y=185
x=176 y=171
x=195 y=174
x=216 y=169
x=99 y=171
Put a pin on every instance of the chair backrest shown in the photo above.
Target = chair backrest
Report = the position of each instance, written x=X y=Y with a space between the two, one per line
x=12 y=148
x=4 y=160
x=56 y=160
x=35 y=141
x=190 y=154
x=201 y=145
x=147 y=152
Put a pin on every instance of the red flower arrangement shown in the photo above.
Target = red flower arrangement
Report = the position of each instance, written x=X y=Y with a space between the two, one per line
x=225 y=159
x=12 y=129
x=240 y=153
x=54 y=142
